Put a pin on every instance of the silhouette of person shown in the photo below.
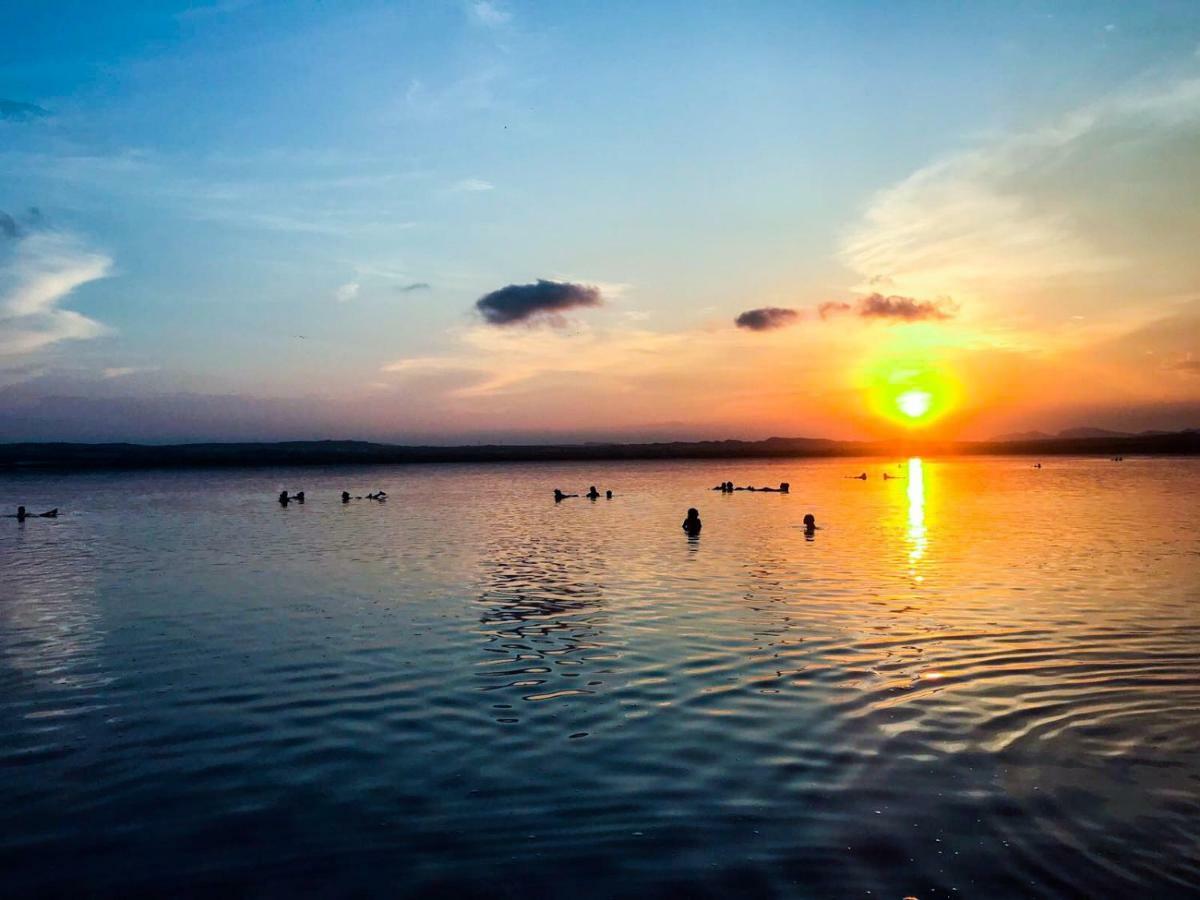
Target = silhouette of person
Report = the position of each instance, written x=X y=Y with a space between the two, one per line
x=692 y=524
x=559 y=495
x=345 y=496
x=810 y=523
x=283 y=498
x=784 y=487
x=608 y=495
x=299 y=498
x=592 y=493
x=21 y=514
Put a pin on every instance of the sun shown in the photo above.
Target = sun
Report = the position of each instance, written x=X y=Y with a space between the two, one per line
x=911 y=393
x=915 y=404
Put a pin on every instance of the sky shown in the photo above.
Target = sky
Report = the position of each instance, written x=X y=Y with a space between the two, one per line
x=457 y=221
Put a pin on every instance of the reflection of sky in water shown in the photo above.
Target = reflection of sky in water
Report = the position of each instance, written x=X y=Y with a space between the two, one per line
x=353 y=689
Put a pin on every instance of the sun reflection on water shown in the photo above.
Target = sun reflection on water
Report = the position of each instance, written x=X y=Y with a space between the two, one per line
x=917 y=537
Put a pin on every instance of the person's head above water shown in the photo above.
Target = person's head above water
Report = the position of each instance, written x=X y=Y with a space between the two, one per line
x=810 y=521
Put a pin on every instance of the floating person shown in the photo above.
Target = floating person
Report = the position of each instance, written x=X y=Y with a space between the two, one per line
x=692 y=524
x=559 y=495
x=299 y=498
x=784 y=487
x=860 y=477
x=1037 y=465
x=592 y=493
x=345 y=496
x=380 y=496
x=810 y=522
x=608 y=495
x=22 y=514
x=283 y=498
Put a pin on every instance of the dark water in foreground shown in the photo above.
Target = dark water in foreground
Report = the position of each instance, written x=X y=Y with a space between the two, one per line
x=982 y=680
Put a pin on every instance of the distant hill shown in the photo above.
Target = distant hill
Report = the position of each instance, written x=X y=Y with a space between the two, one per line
x=1071 y=434
x=136 y=456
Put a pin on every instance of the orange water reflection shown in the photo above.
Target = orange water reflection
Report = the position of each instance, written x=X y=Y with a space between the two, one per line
x=918 y=538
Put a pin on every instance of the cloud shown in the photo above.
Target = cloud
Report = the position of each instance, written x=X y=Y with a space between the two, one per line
x=472 y=186
x=767 y=318
x=36 y=275
x=123 y=371
x=877 y=306
x=488 y=13
x=1190 y=366
x=832 y=308
x=542 y=299
x=414 y=287
x=15 y=111
x=1037 y=225
x=346 y=292
x=8 y=225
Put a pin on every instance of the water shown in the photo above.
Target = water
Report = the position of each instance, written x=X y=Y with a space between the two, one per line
x=981 y=680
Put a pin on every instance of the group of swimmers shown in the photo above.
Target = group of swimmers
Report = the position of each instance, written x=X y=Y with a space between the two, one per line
x=592 y=494
x=692 y=523
x=380 y=496
x=726 y=487
x=22 y=514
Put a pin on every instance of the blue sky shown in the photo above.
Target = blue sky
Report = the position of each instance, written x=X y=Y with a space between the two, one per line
x=273 y=219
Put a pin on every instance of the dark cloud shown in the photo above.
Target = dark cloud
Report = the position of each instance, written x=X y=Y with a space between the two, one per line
x=523 y=302
x=877 y=306
x=415 y=286
x=825 y=310
x=14 y=111
x=768 y=318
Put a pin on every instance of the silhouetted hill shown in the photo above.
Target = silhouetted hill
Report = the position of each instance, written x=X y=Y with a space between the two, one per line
x=135 y=456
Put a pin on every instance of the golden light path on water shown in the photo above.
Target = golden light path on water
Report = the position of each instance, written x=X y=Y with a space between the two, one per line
x=917 y=537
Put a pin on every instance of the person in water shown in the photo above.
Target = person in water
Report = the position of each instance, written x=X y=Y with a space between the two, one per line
x=559 y=495
x=283 y=498
x=692 y=524
x=345 y=496
x=299 y=498
x=810 y=523
x=608 y=495
x=592 y=493
x=22 y=514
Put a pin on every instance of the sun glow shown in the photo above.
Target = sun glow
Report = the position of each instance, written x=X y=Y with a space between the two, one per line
x=913 y=394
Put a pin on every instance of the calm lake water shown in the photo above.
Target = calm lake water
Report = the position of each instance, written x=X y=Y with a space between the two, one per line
x=978 y=680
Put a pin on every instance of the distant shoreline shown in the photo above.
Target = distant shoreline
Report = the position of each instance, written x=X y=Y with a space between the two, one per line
x=43 y=456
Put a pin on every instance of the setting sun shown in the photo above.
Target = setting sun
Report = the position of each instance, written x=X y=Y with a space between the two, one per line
x=914 y=404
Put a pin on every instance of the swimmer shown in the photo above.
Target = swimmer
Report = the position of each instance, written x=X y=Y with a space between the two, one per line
x=810 y=523
x=559 y=495
x=692 y=523
x=283 y=498
x=345 y=496
x=608 y=495
x=592 y=493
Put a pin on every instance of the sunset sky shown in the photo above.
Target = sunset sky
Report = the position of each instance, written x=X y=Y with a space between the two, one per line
x=464 y=221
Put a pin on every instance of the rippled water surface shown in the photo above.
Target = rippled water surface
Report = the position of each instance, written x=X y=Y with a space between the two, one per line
x=977 y=679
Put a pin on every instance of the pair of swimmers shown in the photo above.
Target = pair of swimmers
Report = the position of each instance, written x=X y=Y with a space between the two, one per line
x=592 y=494
x=726 y=487
x=22 y=514
x=284 y=498
x=381 y=496
x=692 y=523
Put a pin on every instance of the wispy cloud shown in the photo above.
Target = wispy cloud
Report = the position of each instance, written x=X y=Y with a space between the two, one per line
x=36 y=276
x=472 y=185
x=346 y=292
x=543 y=300
x=488 y=13
x=16 y=111
x=1049 y=220
x=768 y=318
x=413 y=287
x=124 y=371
